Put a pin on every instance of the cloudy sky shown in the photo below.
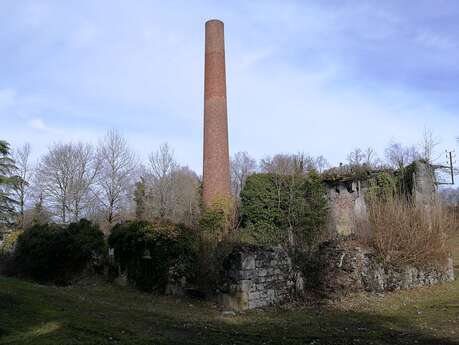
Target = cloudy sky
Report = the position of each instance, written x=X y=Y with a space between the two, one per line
x=321 y=77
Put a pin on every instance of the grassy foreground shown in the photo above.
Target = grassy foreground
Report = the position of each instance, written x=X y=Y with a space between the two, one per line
x=99 y=313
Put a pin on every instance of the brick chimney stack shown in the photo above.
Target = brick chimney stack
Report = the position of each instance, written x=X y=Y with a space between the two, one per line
x=216 y=175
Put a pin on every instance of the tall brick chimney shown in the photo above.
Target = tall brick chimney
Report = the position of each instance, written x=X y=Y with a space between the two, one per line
x=216 y=176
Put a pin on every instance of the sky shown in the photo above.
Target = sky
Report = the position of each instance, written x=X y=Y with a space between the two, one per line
x=320 y=77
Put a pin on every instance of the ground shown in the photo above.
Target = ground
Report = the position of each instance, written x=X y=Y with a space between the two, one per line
x=96 y=313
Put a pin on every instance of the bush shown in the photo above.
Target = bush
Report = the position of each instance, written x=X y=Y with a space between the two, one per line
x=148 y=252
x=9 y=241
x=288 y=209
x=402 y=233
x=56 y=253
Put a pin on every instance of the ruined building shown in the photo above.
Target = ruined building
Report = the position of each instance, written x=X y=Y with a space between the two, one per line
x=216 y=175
x=346 y=194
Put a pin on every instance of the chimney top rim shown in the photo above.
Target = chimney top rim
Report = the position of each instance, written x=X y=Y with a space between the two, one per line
x=214 y=21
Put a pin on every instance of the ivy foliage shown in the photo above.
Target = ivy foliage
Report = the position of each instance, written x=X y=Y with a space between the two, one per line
x=284 y=209
x=56 y=253
x=405 y=182
x=216 y=219
x=151 y=252
x=382 y=186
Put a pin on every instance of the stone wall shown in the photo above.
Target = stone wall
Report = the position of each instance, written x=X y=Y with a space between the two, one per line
x=346 y=201
x=258 y=276
x=424 y=187
x=344 y=267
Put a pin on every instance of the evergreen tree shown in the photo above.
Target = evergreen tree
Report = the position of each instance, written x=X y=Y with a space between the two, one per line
x=140 y=198
x=7 y=182
x=39 y=214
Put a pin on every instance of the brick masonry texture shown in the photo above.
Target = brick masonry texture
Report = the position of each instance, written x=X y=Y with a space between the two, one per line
x=216 y=176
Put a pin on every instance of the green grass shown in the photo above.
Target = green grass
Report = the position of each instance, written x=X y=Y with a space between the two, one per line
x=99 y=313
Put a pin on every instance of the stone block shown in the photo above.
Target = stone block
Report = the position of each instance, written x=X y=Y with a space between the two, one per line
x=248 y=263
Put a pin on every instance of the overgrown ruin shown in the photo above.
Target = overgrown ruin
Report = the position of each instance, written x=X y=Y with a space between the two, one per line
x=346 y=193
x=341 y=266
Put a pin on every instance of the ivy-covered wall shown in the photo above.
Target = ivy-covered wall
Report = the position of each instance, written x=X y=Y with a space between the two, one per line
x=348 y=197
x=290 y=209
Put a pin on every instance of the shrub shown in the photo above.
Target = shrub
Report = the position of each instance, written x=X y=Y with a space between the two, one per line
x=9 y=241
x=148 y=251
x=402 y=233
x=56 y=253
x=285 y=209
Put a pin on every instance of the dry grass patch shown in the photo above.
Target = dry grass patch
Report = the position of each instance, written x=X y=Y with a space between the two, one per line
x=405 y=234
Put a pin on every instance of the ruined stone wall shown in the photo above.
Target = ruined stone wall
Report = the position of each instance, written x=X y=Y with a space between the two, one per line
x=343 y=267
x=424 y=187
x=346 y=202
x=257 y=277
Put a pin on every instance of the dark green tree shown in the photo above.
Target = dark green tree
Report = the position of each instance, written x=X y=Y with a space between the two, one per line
x=140 y=199
x=286 y=209
x=7 y=182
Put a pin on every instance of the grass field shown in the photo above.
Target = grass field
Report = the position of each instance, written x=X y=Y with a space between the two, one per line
x=98 y=313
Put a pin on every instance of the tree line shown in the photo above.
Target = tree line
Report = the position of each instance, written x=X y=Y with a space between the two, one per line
x=108 y=183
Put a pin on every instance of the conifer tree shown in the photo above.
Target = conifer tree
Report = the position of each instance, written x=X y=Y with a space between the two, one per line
x=7 y=181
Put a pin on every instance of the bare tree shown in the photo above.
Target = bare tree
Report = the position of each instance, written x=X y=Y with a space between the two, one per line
x=367 y=157
x=356 y=157
x=85 y=170
x=321 y=164
x=117 y=164
x=242 y=165
x=371 y=158
x=186 y=200
x=162 y=168
x=65 y=176
x=428 y=146
x=399 y=156
x=288 y=164
x=168 y=190
x=24 y=171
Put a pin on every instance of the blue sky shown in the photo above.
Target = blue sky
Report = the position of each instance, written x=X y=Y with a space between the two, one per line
x=321 y=77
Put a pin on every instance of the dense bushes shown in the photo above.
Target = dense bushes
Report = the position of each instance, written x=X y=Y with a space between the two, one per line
x=289 y=209
x=56 y=253
x=150 y=252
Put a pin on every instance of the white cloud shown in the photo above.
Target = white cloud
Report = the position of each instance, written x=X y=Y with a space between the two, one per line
x=37 y=124
x=299 y=76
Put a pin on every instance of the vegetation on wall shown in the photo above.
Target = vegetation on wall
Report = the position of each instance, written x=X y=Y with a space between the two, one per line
x=382 y=186
x=284 y=209
x=148 y=252
x=216 y=223
x=56 y=253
